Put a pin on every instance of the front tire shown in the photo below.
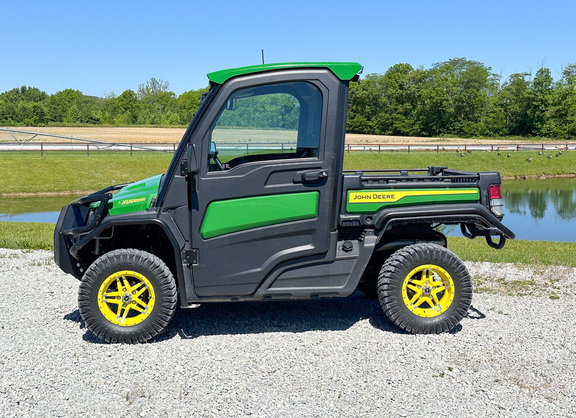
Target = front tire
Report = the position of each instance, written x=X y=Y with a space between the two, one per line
x=127 y=296
x=424 y=289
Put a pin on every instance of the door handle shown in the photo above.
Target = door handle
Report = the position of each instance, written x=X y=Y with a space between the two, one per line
x=314 y=176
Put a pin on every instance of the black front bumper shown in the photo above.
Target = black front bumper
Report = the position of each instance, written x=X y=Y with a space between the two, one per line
x=74 y=222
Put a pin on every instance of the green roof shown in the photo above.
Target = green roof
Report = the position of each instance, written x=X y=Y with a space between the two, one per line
x=342 y=70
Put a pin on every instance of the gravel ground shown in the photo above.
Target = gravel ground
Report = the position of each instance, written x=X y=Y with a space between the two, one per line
x=512 y=355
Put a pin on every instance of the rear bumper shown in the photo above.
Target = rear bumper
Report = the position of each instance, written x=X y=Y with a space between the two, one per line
x=471 y=214
x=474 y=219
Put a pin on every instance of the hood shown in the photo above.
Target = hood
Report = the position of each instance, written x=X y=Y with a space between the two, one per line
x=135 y=196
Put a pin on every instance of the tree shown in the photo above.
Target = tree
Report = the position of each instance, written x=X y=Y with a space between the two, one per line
x=24 y=94
x=400 y=89
x=126 y=108
x=157 y=104
x=455 y=98
x=188 y=103
x=562 y=120
x=23 y=106
x=458 y=97
x=514 y=100
x=541 y=99
x=151 y=88
x=366 y=105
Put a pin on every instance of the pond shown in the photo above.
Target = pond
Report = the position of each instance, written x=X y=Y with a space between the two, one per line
x=33 y=209
x=540 y=210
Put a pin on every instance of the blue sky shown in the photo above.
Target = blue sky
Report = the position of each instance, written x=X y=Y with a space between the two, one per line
x=111 y=46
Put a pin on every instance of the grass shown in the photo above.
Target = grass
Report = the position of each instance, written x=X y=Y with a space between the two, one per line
x=539 y=255
x=31 y=204
x=516 y=251
x=32 y=235
x=60 y=171
x=26 y=235
x=514 y=166
x=28 y=172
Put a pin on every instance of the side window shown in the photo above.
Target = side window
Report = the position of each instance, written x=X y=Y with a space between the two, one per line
x=270 y=122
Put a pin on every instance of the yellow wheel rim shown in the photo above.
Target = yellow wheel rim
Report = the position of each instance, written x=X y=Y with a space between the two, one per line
x=126 y=298
x=428 y=291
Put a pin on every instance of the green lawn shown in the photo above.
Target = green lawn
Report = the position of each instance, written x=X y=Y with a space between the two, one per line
x=28 y=172
x=516 y=251
x=27 y=235
x=24 y=235
x=510 y=167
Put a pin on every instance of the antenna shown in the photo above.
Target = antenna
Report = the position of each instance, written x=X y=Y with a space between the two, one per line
x=262 y=57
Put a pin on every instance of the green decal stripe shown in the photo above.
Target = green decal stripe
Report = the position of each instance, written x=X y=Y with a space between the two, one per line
x=371 y=201
x=226 y=216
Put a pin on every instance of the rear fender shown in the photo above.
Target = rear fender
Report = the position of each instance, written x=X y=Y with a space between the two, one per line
x=477 y=220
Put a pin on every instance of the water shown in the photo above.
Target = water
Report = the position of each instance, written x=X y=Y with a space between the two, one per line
x=45 y=217
x=541 y=210
x=33 y=209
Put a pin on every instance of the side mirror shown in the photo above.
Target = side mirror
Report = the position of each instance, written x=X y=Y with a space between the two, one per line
x=213 y=153
x=231 y=104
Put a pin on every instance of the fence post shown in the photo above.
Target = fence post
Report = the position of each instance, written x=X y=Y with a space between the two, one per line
x=378 y=148
x=408 y=147
x=130 y=150
x=88 y=150
x=41 y=149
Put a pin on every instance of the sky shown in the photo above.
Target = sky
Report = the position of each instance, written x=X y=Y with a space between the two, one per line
x=106 y=47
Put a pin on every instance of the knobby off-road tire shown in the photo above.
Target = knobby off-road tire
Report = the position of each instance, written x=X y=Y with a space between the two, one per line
x=127 y=296
x=424 y=289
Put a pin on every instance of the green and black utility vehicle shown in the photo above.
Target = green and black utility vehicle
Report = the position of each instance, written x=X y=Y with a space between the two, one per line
x=255 y=206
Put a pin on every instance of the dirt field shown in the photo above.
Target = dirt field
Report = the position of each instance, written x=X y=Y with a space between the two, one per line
x=140 y=135
x=135 y=135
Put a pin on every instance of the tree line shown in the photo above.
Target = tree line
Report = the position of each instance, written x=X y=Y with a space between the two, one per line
x=459 y=97
x=152 y=104
x=466 y=99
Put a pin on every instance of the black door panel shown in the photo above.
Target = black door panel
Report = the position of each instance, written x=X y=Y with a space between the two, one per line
x=236 y=261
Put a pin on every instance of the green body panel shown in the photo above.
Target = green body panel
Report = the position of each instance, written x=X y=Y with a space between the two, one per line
x=342 y=70
x=134 y=197
x=226 y=216
x=374 y=200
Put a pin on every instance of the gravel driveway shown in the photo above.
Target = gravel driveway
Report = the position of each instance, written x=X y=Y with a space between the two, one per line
x=512 y=356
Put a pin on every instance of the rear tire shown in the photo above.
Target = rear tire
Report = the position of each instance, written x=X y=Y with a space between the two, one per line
x=127 y=296
x=424 y=289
